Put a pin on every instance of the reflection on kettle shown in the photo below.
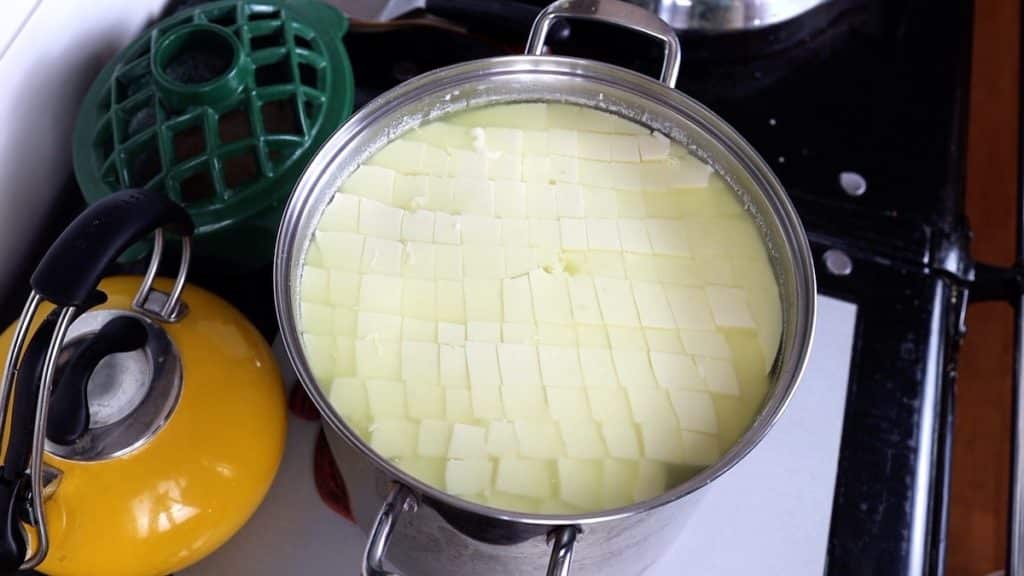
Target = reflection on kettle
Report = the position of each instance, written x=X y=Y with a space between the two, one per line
x=162 y=509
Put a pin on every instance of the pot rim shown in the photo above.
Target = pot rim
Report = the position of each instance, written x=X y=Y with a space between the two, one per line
x=798 y=324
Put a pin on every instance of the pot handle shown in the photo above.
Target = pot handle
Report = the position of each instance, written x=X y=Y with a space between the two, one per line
x=401 y=499
x=612 y=12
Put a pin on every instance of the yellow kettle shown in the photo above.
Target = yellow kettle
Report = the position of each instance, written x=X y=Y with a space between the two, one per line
x=145 y=418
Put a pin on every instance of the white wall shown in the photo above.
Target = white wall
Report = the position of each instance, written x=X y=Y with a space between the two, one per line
x=50 y=52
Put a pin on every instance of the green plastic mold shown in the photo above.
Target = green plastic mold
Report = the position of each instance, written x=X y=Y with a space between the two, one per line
x=221 y=107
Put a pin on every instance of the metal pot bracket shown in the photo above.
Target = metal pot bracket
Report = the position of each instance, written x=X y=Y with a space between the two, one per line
x=68 y=276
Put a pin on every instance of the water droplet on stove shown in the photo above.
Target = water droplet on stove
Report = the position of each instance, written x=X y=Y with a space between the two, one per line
x=782 y=159
x=772 y=122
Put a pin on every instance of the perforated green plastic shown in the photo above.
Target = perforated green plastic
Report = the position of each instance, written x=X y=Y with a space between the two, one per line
x=220 y=106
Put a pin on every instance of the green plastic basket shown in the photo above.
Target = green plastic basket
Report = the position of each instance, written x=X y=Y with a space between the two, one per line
x=221 y=107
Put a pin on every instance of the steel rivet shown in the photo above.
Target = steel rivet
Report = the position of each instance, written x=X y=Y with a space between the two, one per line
x=853 y=183
x=838 y=263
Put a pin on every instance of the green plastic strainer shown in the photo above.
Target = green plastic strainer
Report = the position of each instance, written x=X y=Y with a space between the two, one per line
x=220 y=106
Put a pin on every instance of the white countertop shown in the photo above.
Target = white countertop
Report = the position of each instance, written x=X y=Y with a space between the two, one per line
x=776 y=504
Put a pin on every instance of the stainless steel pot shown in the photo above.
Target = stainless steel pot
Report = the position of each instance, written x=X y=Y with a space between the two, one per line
x=431 y=532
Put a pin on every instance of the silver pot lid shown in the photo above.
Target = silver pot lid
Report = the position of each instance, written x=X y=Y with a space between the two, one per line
x=726 y=15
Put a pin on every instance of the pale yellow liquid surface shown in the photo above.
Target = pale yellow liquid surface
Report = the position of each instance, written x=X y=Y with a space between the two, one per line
x=541 y=308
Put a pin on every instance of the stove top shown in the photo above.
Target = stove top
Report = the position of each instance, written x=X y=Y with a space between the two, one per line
x=875 y=89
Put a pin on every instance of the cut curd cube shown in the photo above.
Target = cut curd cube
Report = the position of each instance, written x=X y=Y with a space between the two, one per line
x=582 y=439
x=453 y=367
x=341 y=215
x=467 y=442
x=663 y=443
x=729 y=307
x=369 y=181
x=419 y=298
x=651 y=407
x=524 y=402
x=598 y=368
x=502 y=439
x=477 y=229
x=483 y=261
x=429 y=470
x=424 y=401
x=695 y=411
x=468 y=477
x=519 y=366
x=619 y=483
x=450 y=305
x=316 y=318
x=616 y=299
x=568 y=404
x=690 y=308
x=700 y=449
x=609 y=405
x=482 y=297
x=433 y=438
x=483 y=332
x=517 y=301
x=719 y=376
x=510 y=198
x=706 y=343
x=539 y=440
x=448 y=333
x=651 y=480
x=458 y=406
x=487 y=403
x=348 y=396
x=394 y=438
x=386 y=398
x=560 y=366
x=340 y=250
x=381 y=294
x=633 y=368
x=550 y=297
x=418 y=260
x=419 y=330
x=378 y=359
x=676 y=371
x=315 y=285
x=418 y=226
x=579 y=481
x=621 y=440
x=530 y=478
x=382 y=256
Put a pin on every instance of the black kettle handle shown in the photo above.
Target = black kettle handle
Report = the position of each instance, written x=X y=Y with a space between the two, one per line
x=77 y=260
